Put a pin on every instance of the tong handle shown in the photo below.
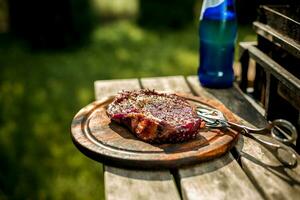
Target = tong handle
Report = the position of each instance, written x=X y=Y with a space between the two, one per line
x=240 y=127
x=280 y=129
x=283 y=153
x=283 y=131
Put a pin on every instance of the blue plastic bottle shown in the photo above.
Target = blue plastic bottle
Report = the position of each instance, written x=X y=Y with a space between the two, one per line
x=217 y=32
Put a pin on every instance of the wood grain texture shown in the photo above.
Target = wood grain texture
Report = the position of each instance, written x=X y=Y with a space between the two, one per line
x=277 y=38
x=268 y=175
x=104 y=88
x=133 y=184
x=232 y=99
x=110 y=143
x=137 y=184
x=221 y=178
x=167 y=84
x=217 y=179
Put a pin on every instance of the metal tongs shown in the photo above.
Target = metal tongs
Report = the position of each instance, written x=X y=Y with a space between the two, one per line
x=280 y=129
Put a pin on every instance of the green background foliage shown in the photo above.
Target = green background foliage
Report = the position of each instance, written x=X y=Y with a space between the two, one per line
x=41 y=91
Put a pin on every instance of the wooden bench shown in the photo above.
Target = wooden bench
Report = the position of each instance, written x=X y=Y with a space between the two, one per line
x=248 y=171
x=277 y=76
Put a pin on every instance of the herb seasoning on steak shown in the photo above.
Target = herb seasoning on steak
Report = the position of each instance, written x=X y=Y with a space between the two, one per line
x=155 y=117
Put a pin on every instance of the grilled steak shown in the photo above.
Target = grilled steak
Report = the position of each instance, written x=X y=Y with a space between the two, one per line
x=155 y=117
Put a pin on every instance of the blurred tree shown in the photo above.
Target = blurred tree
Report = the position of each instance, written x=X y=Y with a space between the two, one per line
x=50 y=23
x=3 y=16
x=107 y=10
x=172 y=14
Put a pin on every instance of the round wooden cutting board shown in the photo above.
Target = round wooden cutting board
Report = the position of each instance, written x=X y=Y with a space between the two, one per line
x=108 y=142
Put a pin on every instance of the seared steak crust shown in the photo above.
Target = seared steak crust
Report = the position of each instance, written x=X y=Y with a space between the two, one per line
x=155 y=117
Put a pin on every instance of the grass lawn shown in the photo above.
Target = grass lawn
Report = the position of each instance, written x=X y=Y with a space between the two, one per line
x=41 y=91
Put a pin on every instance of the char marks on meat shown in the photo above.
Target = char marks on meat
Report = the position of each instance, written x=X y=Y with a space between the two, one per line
x=155 y=117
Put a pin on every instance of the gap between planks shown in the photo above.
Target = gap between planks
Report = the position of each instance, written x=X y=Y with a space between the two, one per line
x=133 y=184
x=259 y=169
x=272 y=179
x=221 y=178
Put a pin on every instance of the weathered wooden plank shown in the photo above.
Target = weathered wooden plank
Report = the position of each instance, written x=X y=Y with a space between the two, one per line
x=233 y=100
x=269 y=65
x=221 y=178
x=244 y=60
x=277 y=38
x=291 y=97
x=167 y=84
x=133 y=184
x=272 y=179
x=217 y=179
x=106 y=88
x=138 y=184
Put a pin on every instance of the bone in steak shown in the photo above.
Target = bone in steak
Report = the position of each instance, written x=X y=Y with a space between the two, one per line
x=155 y=117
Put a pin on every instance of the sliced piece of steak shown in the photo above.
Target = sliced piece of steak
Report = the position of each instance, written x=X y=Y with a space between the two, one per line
x=155 y=117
